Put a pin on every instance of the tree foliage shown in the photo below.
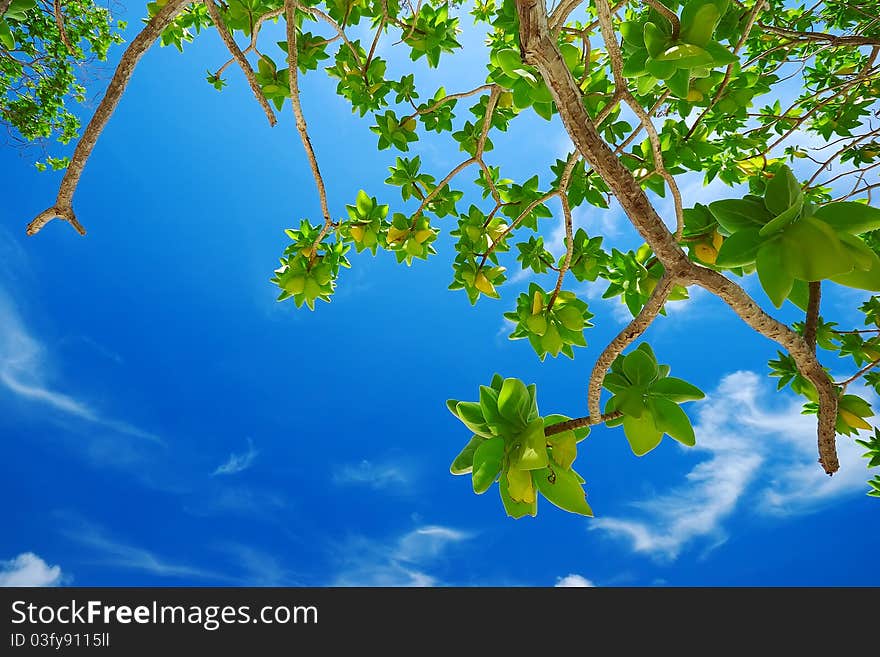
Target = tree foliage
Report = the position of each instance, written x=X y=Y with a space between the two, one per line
x=776 y=100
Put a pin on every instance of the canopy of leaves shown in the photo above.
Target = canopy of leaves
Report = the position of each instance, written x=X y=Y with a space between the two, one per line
x=42 y=48
x=776 y=100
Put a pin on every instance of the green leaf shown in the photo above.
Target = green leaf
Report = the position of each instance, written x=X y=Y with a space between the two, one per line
x=679 y=83
x=464 y=462
x=6 y=37
x=487 y=464
x=639 y=367
x=685 y=55
x=564 y=448
x=861 y=279
x=773 y=274
x=736 y=214
x=862 y=256
x=364 y=204
x=632 y=33
x=781 y=221
x=721 y=55
x=698 y=20
x=800 y=294
x=530 y=450
x=471 y=416
x=740 y=249
x=642 y=433
x=810 y=250
x=783 y=192
x=656 y=39
x=489 y=404
x=562 y=488
x=849 y=217
x=631 y=401
x=514 y=401
x=513 y=508
x=676 y=390
x=671 y=419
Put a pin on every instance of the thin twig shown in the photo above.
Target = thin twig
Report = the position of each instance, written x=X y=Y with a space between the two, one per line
x=241 y=60
x=812 y=320
x=290 y=7
x=63 y=207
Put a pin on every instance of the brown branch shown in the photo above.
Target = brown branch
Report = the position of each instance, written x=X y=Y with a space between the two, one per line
x=564 y=181
x=4 y=5
x=290 y=7
x=626 y=337
x=557 y=19
x=831 y=39
x=59 y=21
x=668 y=14
x=539 y=49
x=446 y=99
x=63 y=207
x=240 y=59
x=812 y=320
x=616 y=57
x=867 y=368
x=580 y=422
x=443 y=183
x=805 y=358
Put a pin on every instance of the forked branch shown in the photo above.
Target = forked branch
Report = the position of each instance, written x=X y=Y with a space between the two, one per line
x=63 y=207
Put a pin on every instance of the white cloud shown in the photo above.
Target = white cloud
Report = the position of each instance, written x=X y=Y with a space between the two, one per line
x=23 y=372
x=372 y=475
x=27 y=569
x=238 y=462
x=402 y=562
x=110 y=552
x=573 y=580
x=764 y=452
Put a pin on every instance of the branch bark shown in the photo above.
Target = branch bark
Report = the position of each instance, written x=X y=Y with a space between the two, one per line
x=539 y=49
x=290 y=7
x=241 y=60
x=63 y=207
x=4 y=5
x=580 y=422
x=812 y=320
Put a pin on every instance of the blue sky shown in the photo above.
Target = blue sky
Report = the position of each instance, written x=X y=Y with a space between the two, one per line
x=165 y=422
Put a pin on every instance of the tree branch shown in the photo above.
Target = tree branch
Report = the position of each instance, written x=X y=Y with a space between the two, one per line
x=668 y=14
x=540 y=50
x=59 y=21
x=626 y=337
x=580 y=422
x=805 y=358
x=616 y=57
x=63 y=207
x=241 y=60
x=812 y=320
x=831 y=39
x=4 y=5
x=728 y=73
x=290 y=7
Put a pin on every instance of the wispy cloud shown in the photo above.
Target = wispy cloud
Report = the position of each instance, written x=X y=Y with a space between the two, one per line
x=373 y=475
x=24 y=373
x=108 y=551
x=259 y=568
x=27 y=569
x=237 y=462
x=573 y=580
x=755 y=449
x=404 y=561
